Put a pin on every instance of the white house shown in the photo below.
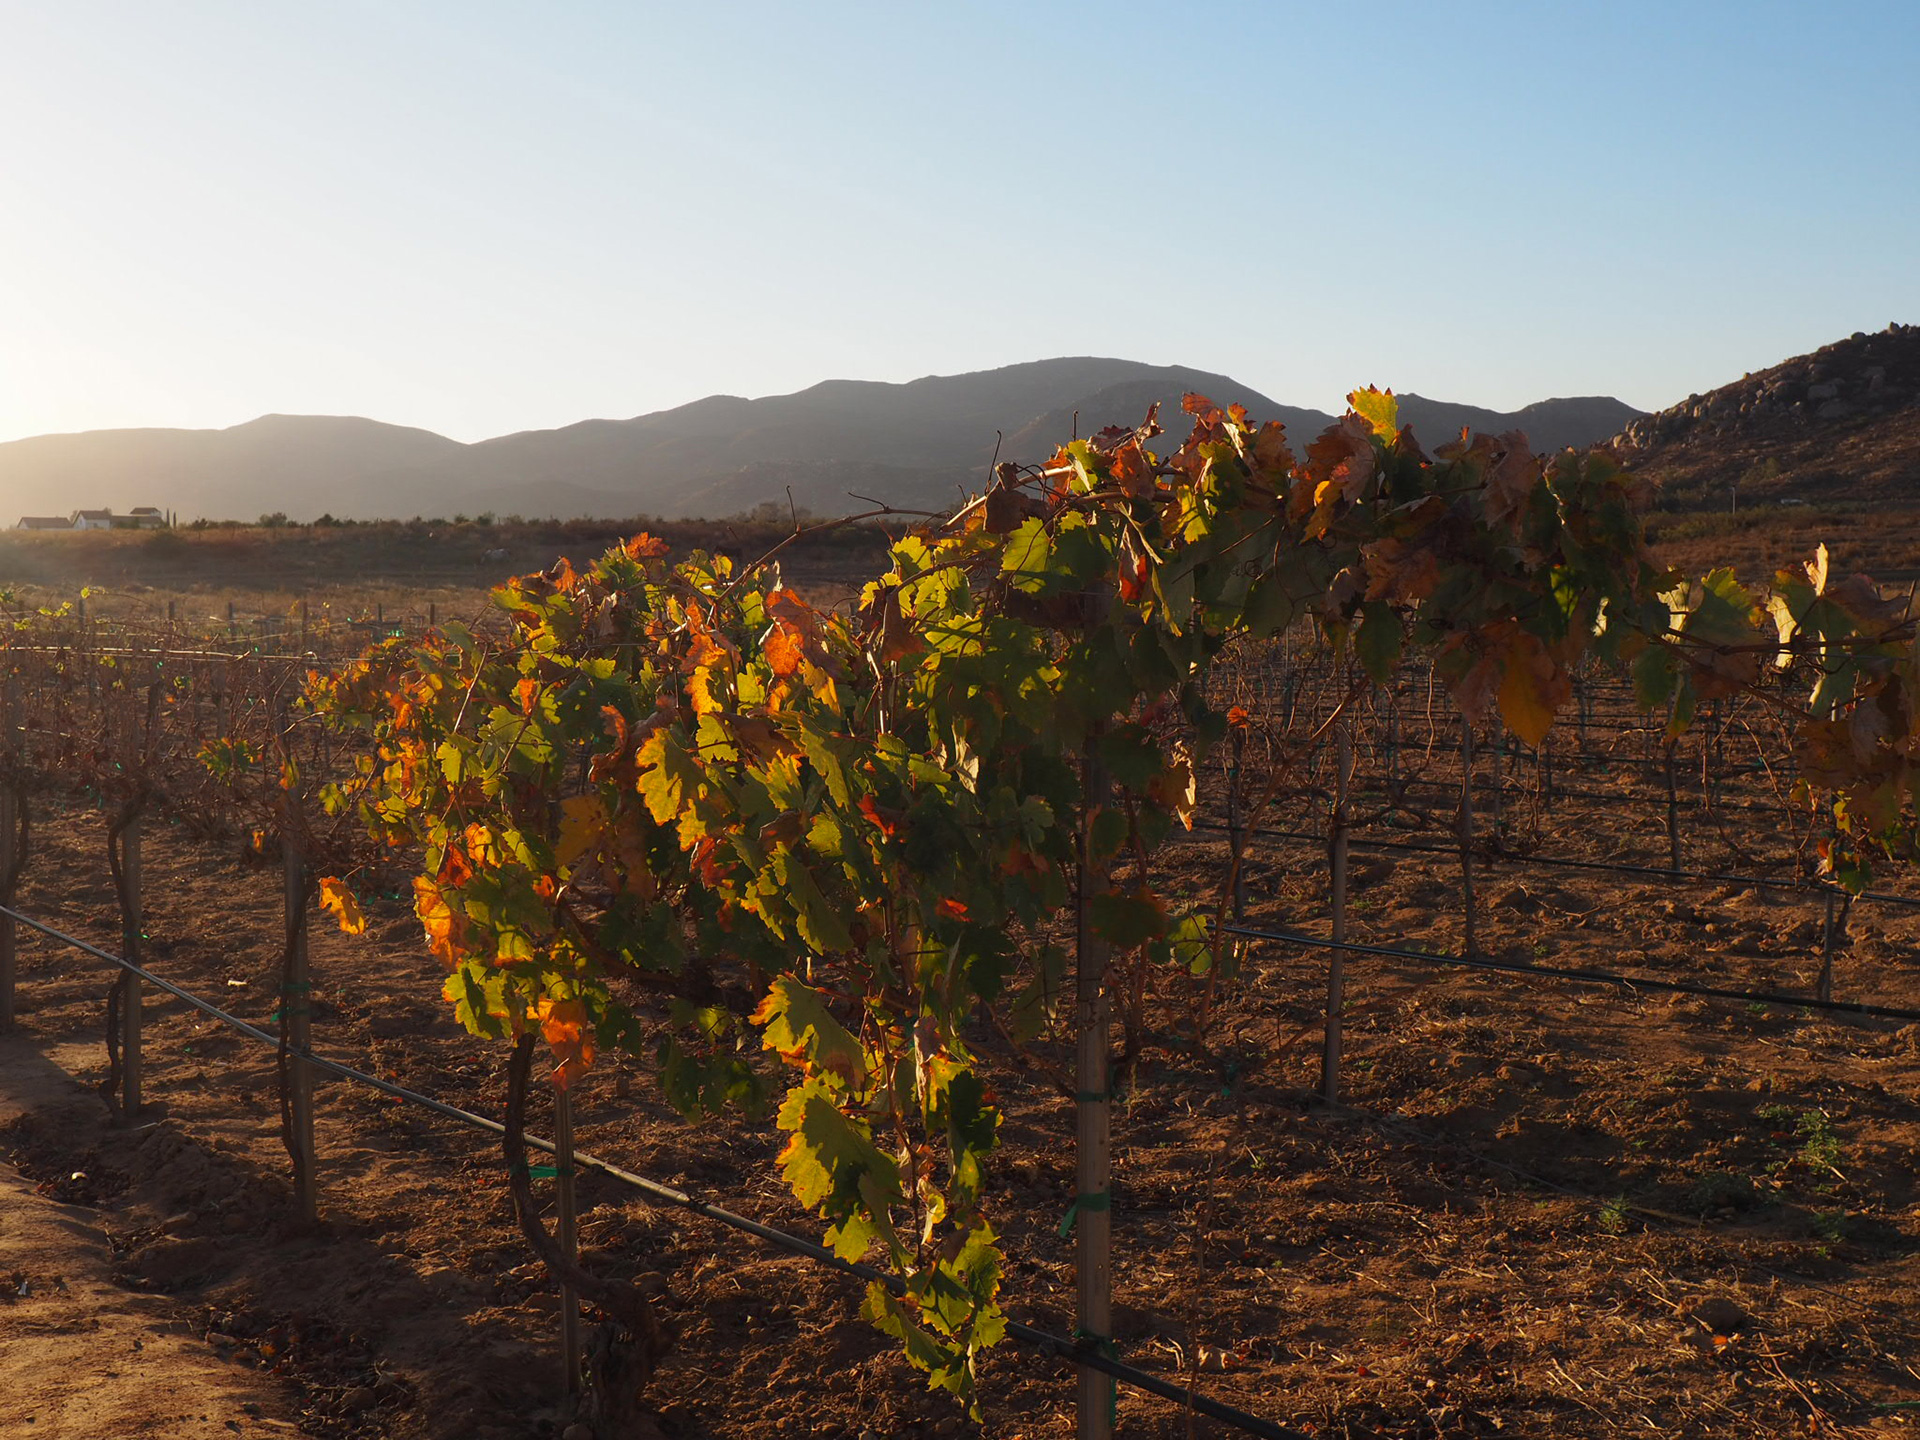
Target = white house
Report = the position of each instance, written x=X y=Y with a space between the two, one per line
x=92 y=520
x=44 y=522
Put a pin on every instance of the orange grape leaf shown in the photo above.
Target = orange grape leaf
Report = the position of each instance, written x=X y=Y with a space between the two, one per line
x=442 y=926
x=1342 y=456
x=335 y=896
x=898 y=639
x=1270 y=449
x=1128 y=465
x=568 y=1031
x=783 y=649
x=1511 y=479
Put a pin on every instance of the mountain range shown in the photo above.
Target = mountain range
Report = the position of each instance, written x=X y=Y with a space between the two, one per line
x=917 y=445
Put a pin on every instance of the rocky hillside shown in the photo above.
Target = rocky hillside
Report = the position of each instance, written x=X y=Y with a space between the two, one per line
x=1840 y=424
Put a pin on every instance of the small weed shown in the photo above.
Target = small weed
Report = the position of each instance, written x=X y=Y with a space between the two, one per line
x=1819 y=1149
x=1613 y=1216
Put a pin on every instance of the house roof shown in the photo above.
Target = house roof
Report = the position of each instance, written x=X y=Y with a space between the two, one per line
x=93 y=514
x=144 y=510
x=44 y=522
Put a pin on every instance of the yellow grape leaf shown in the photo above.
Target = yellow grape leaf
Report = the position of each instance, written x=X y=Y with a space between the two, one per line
x=669 y=776
x=336 y=897
x=700 y=691
x=583 y=820
x=1379 y=409
x=1531 y=688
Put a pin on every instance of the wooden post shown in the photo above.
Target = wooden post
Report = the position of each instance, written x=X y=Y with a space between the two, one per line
x=1236 y=832
x=1499 y=749
x=569 y=1234
x=1546 y=772
x=1824 y=989
x=296 y=1000
x=1673 y=816
x=1336 y=959
x=1466 y=832
x=130 y=991
x=303 y=624
x=433 y=615
x=232 y=627
x=1393 y=738
x=1093 y=1241
x=1580 y=709
x=9 y=834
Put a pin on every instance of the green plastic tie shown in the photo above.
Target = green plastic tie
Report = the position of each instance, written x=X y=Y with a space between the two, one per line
x=1098 y=1203
x=1102 y=1345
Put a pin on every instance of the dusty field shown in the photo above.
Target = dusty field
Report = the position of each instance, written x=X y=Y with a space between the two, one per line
x=251 y=584
x=1544 y=1210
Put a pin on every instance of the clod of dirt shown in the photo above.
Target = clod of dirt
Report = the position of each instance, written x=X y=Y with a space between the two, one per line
x=173 y=1261
x=1721 y=1315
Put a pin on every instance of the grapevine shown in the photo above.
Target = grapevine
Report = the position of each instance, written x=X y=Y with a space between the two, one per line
x=675 y=794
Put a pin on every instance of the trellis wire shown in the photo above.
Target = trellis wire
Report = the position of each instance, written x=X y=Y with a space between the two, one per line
x=1080 y=1354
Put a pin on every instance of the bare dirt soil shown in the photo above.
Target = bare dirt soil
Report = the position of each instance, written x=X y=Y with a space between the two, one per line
x=1541 y=1209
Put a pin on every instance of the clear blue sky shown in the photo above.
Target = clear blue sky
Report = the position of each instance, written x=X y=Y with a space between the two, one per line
x=481 y=217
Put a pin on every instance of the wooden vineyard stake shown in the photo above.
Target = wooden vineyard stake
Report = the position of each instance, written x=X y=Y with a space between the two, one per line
x=1336 y=959
x=303 y=625
x=9 y=838
x=130 y=989
x=1673 y=816
x=569 y=1234
x=1580 y=710
x=1092 y=1204
x=1835 y=927
x=1497 y=753
x=296 y=1002
x=1466 y=832
x=1236 y=833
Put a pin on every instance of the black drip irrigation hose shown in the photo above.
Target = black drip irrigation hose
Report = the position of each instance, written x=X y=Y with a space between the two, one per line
x=1044 y=1341
x=1578 y=974
x=1609 y=867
